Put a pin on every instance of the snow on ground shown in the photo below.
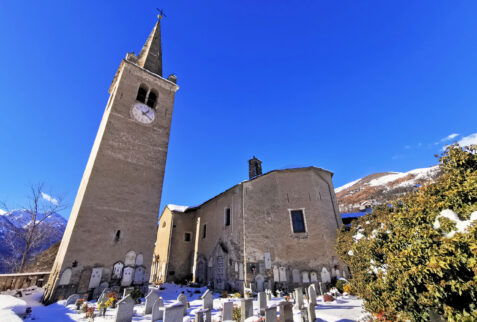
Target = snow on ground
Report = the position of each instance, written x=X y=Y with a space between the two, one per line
x=347 y=185
x=344 y=308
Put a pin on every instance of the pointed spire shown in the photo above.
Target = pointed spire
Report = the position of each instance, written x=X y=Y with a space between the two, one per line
x=150 y=57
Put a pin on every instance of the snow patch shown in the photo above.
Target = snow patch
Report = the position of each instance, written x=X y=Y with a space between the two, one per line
x=461 y=225
x=3 y=212
x=347 y=185
x=178 y=208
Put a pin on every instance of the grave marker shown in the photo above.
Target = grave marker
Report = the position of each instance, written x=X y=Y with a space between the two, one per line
x=125 y=310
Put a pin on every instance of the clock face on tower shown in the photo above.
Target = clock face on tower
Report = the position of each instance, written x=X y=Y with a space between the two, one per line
x=143 y=113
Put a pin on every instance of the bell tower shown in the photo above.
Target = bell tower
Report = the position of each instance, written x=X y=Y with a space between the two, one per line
x=109 y=238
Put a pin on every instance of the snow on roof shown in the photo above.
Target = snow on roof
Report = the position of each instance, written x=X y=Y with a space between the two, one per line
x=177 y=208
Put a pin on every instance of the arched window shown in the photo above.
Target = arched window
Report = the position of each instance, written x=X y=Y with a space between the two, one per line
x=151 y=100
x=141 y=94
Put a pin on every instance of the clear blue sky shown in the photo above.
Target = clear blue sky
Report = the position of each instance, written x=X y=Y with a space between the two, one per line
x=355 y=87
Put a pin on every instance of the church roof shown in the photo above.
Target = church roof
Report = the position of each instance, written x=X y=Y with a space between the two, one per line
x=184 y=209
x=150 y=57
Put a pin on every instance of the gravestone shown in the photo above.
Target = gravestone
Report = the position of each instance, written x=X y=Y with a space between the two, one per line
x=207 y=300
x=312 y=295
x=286 y=311
x=157 y=312
x=296 y=276
x=271 y=314
x=283 y=274
x=305 y=277
x=228 y=311
x=150 y=300
x=99 y=290
x=72 y=299
x=304 y=314
x=208 y=316
x=183 y=299
x=298 y=298
x=125 y=310
x=276 y=274
x=117 y=271
x=313 y=277
x=269 y=295
x=139 y=275
x=65 y=277
x=127 y=276
x=325 y=275
x=95 y=278
x=311 y=313
x=246 y=309
x=173 y=312
x=199 y=315
x=127 y=291
x=262 y=302
x=84 y=280
x=321 y=288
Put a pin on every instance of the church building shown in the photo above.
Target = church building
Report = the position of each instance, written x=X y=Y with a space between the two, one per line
x=274 y=230
x=109 y=238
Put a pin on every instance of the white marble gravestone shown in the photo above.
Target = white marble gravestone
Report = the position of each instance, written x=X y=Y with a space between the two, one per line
x=305 y=277
x=139 y=275
x=276 y=274
x=130 y=258
x=283 y=274
x=117 y=271
x=296 y=276
x=127 y=276
x=325 y=275
x=95 y=277
x=313 y=277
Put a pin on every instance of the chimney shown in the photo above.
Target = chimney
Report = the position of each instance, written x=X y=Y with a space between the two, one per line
x=254 y=168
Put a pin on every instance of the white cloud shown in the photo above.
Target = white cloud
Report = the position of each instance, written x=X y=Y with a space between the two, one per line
x=49 y=198
x=450 y=137
x=468 y=140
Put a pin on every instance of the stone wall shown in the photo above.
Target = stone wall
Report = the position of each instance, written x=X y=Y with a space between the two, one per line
x=22 y=280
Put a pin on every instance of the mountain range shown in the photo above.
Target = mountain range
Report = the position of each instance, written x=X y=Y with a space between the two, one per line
x=15 y=222
x=382 y=187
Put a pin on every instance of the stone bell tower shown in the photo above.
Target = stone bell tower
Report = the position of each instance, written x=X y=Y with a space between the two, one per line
x=109 y=239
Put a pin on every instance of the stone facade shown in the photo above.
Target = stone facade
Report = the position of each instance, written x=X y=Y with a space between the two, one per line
x=110 y=234
x=273 y=231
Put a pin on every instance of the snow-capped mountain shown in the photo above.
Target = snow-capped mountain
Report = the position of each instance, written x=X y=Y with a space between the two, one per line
x=382 y=187
x=16 y=221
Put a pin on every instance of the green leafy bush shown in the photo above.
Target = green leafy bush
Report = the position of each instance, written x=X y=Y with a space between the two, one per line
x=418 y=257
x=339 y=285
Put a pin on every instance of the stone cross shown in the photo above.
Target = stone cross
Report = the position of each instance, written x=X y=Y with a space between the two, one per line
x=157 y=312
x=125 y=310
x=228 y=311
x=127 y=291
x=207 y=300
x=298 y=298
x=246 y=309
x=104 y=293
x=286 y=311
x=72 y=299
x=173 y=312
x=312 y=295
x=150 y=300
x=271 y=314
x=183 y=299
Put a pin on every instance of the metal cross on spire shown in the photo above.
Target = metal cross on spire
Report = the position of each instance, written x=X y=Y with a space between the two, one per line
x=161 y=13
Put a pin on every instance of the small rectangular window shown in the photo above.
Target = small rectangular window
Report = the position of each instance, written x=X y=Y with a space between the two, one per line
x=298 y=221
x=204 y=231
x=227 y=217
x=187 y=237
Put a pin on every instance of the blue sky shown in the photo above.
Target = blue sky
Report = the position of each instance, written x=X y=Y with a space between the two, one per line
x=355 y=87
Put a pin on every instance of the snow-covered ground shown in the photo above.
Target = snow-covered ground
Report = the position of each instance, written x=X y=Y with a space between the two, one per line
x=344 y=308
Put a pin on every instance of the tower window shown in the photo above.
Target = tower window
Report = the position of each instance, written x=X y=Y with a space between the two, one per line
x=141 y=94
x=204 y=231
x=187 y=237
x=151 y=100
x=227 y=217
x=118 y=235
x=298 y=221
